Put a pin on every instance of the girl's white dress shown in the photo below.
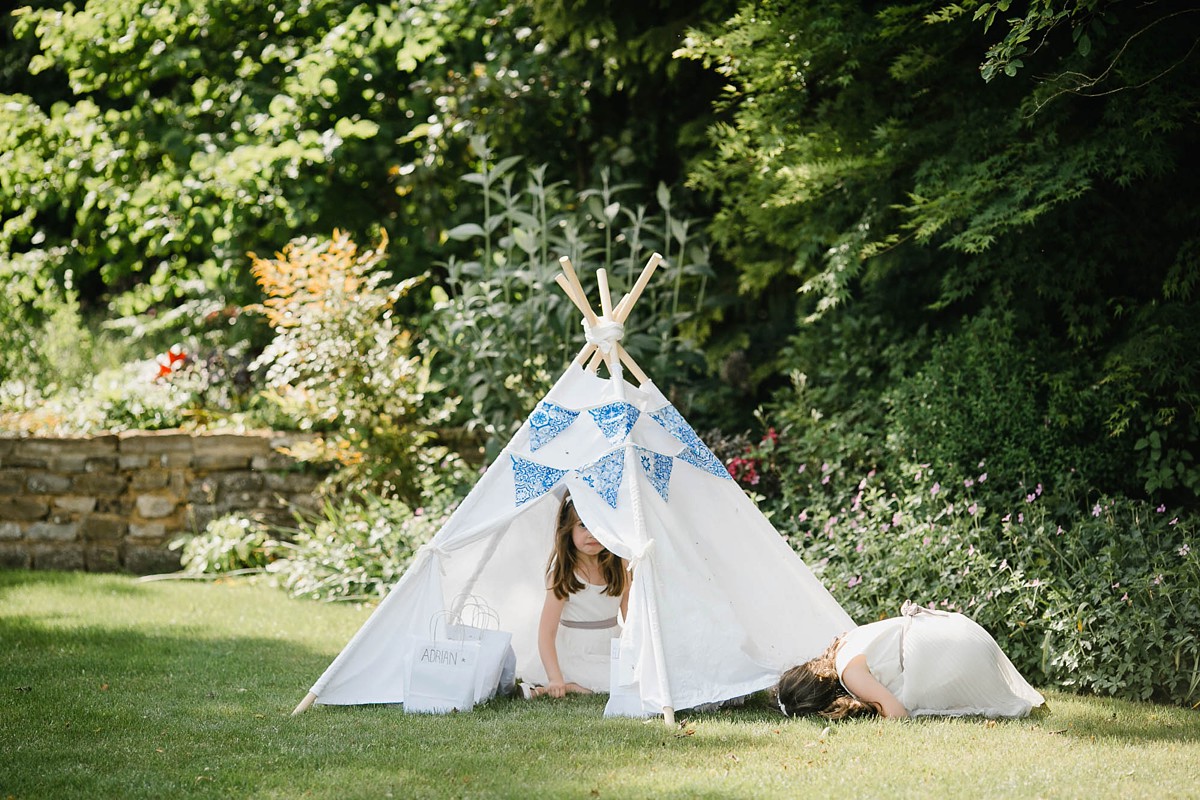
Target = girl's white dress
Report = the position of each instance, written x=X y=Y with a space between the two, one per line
x=585 y=634
x=940 y=663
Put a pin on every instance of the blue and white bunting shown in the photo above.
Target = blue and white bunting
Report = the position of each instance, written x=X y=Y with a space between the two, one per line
x=547 y=421
x=657 y=468
x=604 y=475
x=615 y=420
x=532 y=480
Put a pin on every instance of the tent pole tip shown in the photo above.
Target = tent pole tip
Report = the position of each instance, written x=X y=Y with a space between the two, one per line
x=304 y=704
x=669 y=716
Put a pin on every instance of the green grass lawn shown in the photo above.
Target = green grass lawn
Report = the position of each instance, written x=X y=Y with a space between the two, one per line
x=111 y=688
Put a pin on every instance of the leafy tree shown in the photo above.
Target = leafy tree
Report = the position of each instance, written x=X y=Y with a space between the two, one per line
x=865 y=163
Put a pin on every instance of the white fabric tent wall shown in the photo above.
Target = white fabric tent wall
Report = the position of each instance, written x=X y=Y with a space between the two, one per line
x=719 y=605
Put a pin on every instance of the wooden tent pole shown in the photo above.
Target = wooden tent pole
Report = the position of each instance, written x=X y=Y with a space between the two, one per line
x=640 y=286
x=569 y=270
x=605 y=295
x=631 y=365
x=304 y=704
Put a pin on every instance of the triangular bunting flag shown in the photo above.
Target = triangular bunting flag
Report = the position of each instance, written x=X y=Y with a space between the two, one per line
x=706 y=461
x=547 y=421
x=615 y=420
x=657 y=468
x=604 y=475
x=532 y=480
x=697 y=453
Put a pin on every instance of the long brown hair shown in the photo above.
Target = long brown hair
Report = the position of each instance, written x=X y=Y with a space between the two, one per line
x=560 y=571
x=814 y=688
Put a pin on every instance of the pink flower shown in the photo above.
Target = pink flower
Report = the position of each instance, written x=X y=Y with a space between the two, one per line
x=859 y=548
x=1096 y=510
x=896 y=518
x=1125 y=596
x=1158 y=579
x=855 y=581
x=1183 y=551
x=971 y=509
x=1161 y=508
x=983 y=478
x=968 y=483
x=803 y=516
x=937 y=487
x=825 y=480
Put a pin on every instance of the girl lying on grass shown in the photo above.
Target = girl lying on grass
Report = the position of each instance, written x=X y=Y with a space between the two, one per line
x=924 y=662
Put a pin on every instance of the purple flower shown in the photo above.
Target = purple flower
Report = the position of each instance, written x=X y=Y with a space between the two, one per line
x=983 y=478
x=802 y=468
x=1161 y=508
x=937 y=487
x=1096 y=510
x=825 y=480
x=971 y=509
x=1020 y=518
x=855 y=581
x=825 y=467
x=1174 y=521
x=1029 y=498
x=968 y=483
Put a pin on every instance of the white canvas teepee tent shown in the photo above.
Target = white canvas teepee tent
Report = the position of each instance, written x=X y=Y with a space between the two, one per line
x=719 y=604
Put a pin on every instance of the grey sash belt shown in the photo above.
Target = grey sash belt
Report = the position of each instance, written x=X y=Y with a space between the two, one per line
x=589 y=625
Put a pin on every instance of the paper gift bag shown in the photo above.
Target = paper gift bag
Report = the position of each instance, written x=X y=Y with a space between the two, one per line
x=495 y=651
x=442 y=676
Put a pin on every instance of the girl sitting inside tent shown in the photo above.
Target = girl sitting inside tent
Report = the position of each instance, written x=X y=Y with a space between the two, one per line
x=586 y=588
x=924 y=662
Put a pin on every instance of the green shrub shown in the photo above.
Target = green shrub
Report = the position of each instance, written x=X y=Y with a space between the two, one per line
x=229 y=544
x=341 y=362
x=355 y=550
x=1093 y=593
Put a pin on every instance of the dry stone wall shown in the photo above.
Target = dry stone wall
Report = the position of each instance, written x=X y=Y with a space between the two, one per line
x=114 y=502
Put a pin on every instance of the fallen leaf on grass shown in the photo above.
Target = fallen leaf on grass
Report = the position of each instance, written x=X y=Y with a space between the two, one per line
x=104 y=687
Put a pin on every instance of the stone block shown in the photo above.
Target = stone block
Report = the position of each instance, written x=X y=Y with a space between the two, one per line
x=150 y=560
x=12 y=481
x=153 y=506
x=10 y=530
x=22 y=509
x=103 y=527
x=99 y=558
x=75 y=504
x=50 y=531
x=155 y=443
x=235 y=482
x=47 y=483
x=175 y=460
x=96 y=484
x=69 y=557
x=214 y=462
x=149 y=479
x=14 y=557
x=203 y=490
x=147 y=530
x=69 y=462
x=290 y=481
x=199 y=515
x=129 y=461
x=102 y=464
x=231 y=444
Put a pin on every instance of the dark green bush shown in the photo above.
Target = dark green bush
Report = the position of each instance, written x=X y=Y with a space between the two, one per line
x=1095 y=593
